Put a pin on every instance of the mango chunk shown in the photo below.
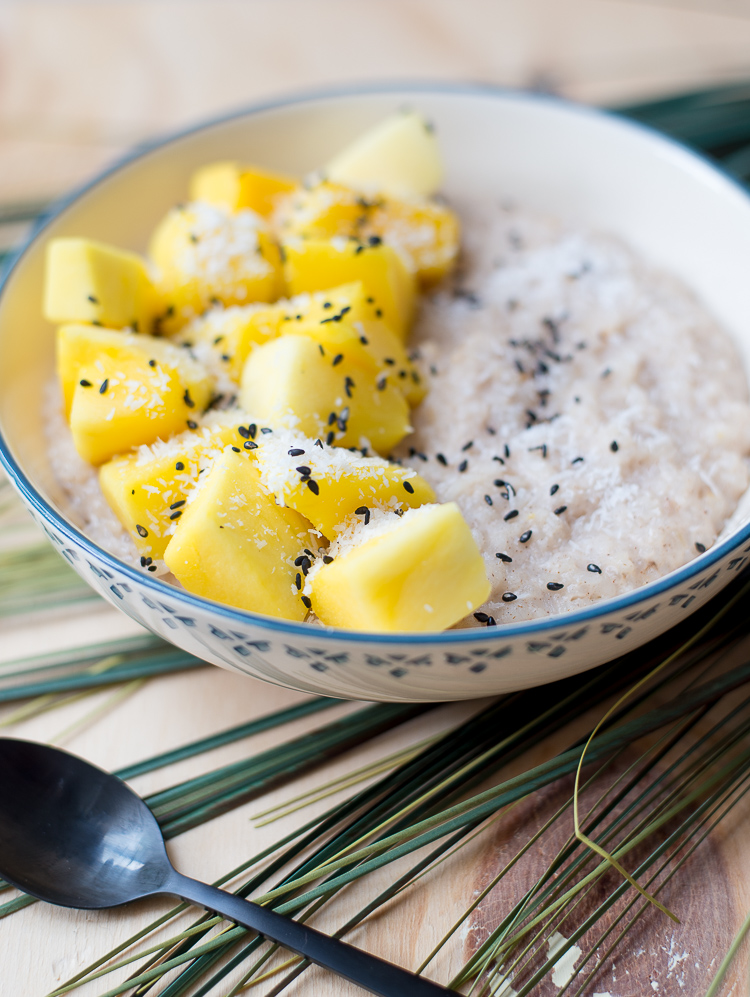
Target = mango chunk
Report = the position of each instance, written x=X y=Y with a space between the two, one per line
x=122 y=403
x=400 y=156
x=80 y=346
x=206 y=256
x=87 y=281
x=237 y=546
x=293 y=382
x=232 y=186
x=148 y=489
x=352 y=307
x=318 y=265
x=224 y=337
x=328 y=484
x=417 y=573
x=426 y=234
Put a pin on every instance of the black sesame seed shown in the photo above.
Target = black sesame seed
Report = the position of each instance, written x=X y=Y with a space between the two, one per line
x=441 y=459
x=298 y=561
x=506 y=450
x=295 y=452
x=613 y=446
x=488 y=499
x=84 y=383
x=142 y=531
x=463 y=465
x=560 y=510
x=103 y=386
x=481 y=617
x=594 y=568
x=327 y=559
x=348 y=385
x=322 y=351
x=498 y=483
x=331 y=418
x=298 y=581
x=187 y=399
x=306 y=602
x=381 y=382
x=337 y=359
x=143 y=562
x=176 y=515
x=525 y=537
x=244 y=432
x=378 y=313
x=509 y=597
x=511 y=515
x=327 y=304
x=179 y=466
x=467 y=446
x=375 y=240
x=491 y=621
x=177 y=505
x=555 y=586
x=359 y=250
x=363 y=511
x=151 y=567
x=313 y=486
x=554 y=489
x=319 y=443
x=225 y=357
x=577 y=460
x=408 y=487
x=701 y=548
x=191 y=424
x=330 y=437
x=95 y=321
x=265 y=430
x=93 y=300
x=364 y=340
x=390 y=361
x=505 y=558
x=499 y=459
x=249 y=445
x=304 y=470
x=236 y=449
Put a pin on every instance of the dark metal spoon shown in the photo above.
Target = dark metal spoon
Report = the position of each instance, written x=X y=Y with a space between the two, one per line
x=76 y=836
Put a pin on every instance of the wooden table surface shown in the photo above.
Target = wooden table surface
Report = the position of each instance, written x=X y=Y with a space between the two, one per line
x=80 y=82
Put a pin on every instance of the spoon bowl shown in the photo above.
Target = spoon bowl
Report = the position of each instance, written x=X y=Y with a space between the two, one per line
x=75 y=836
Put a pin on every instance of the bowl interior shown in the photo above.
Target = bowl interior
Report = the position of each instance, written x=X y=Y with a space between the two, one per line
x=674 y=209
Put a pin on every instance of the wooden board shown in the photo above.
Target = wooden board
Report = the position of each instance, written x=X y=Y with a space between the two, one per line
x=82 y=82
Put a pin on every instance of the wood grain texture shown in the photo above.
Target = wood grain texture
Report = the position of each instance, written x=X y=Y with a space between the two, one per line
x=80 y=82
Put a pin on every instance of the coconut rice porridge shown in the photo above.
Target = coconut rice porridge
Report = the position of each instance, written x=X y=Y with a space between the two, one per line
x=586 y=413
x=311 y=403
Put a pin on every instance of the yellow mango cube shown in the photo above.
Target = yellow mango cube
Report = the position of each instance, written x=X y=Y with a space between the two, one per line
x=400 y=155
x=80 y=346
x=121 y=403
x=321 y=212
x=328 y=484
x=224 y=337
x=418 y=573
x=148 y=489
x=87 y=281
x=293 y=382
x=206 y=256
x=351 y=306
x=234 y=186
x=318 y=265
x=425 y=234
x=237 y=546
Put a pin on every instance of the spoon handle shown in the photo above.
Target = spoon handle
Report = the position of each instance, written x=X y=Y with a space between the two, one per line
x=367 y=971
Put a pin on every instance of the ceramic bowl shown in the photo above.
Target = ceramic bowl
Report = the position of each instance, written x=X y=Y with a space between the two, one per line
x=671 y=206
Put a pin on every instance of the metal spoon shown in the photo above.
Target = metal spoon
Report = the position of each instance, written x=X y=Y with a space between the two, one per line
x=76 y=836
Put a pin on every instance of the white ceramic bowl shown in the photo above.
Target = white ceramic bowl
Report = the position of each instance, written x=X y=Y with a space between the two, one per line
x=671 y=206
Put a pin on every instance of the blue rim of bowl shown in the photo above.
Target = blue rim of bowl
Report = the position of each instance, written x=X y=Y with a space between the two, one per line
x=503 y=632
